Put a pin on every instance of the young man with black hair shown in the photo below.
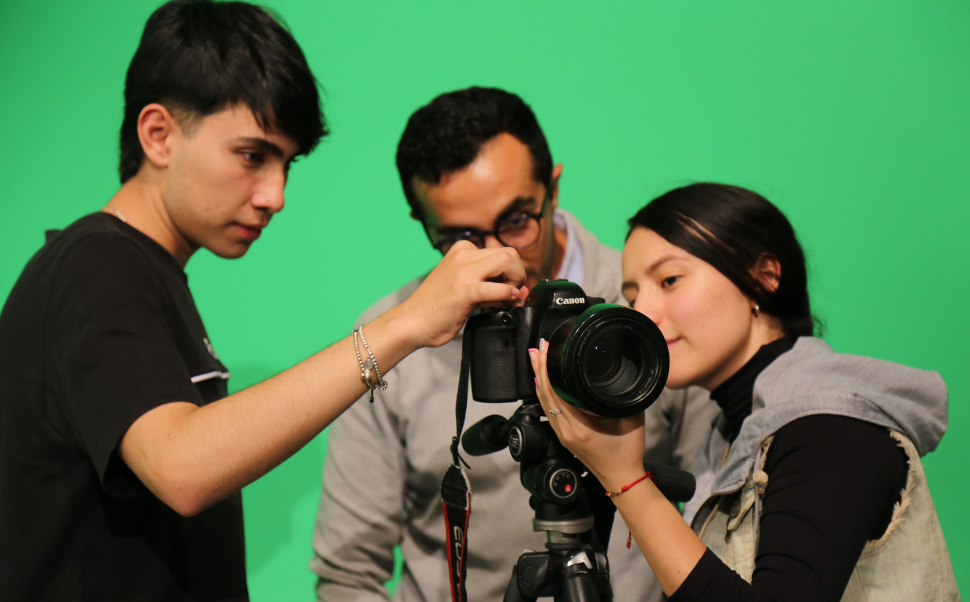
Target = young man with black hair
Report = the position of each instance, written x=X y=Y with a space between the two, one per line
x=121 y=455
x=475 y=166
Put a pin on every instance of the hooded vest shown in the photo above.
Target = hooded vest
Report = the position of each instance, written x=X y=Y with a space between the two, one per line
x=910 y=561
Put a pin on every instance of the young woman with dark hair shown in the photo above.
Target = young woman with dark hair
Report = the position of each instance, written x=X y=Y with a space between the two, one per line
x=809 y=485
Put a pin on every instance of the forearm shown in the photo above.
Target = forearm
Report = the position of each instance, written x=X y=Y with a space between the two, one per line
x=206 y=453
x=191 y=457
x=666 y=541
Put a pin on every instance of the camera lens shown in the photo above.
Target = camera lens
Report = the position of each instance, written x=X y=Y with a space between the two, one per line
x=612 y=362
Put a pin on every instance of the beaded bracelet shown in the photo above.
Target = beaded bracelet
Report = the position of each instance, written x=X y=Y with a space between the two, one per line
x=370 y=373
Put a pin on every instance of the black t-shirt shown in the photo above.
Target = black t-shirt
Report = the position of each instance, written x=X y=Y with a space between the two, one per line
x=99 y=329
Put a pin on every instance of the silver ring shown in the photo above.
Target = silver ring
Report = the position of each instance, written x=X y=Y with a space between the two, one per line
x=554 y=412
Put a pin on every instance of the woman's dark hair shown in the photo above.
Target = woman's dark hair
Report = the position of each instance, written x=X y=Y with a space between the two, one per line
x=447 y=134
x=198 y=57
x=732 y=228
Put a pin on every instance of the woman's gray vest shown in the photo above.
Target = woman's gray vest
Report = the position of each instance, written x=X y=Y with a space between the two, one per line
x=910 y=561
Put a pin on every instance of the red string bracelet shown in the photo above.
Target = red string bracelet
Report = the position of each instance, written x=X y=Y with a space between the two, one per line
x=616 y=492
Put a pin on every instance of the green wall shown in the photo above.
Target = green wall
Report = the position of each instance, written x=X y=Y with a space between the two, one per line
x=852 y=116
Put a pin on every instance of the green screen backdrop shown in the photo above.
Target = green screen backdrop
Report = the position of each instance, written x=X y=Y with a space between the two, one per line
x=851 y=116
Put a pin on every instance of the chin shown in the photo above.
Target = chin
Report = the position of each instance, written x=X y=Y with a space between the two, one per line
x=230 y=251
x=680 y=381
x=671 y=384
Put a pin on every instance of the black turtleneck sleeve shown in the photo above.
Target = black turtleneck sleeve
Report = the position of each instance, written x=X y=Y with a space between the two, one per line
x=832 y=484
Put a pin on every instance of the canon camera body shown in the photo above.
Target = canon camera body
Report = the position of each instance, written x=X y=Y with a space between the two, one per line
x=604 y=358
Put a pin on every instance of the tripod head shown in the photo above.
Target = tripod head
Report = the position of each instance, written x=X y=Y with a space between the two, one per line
x=572 y=569
x=547 y=470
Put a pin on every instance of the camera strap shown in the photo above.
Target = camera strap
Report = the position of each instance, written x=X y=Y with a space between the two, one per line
x=456 y=494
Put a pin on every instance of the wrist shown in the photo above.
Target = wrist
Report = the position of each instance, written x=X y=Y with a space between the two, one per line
x=423 y=324
x=616 y=480
x=391 y=336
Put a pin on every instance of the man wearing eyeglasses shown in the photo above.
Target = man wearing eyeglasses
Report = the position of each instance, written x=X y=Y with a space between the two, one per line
x=475 y=166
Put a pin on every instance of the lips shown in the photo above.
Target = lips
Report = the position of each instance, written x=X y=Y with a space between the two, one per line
x=249 y=232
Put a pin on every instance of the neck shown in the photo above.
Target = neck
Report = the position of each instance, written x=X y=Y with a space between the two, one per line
x=734 y=396
x=765 y=329
x=140 y=201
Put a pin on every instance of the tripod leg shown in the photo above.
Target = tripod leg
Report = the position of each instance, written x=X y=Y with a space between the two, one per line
x=512 y=593
x=578 y=584
x=531 y=578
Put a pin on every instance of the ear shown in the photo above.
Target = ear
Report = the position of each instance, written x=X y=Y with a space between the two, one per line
x=767 y=271
x=554 y=181
x=157 y=130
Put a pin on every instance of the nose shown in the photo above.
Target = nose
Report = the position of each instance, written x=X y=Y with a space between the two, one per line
x=270 y=197
x=648 y=307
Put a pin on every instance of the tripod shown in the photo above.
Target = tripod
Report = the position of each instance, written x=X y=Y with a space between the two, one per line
x=571 y=569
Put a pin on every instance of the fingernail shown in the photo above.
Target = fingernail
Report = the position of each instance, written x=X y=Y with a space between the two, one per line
x=536 y=381
x=543 y=346
x=533 y=353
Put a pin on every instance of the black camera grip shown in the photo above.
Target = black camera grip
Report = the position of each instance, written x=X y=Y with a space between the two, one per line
x=488 y=435
x=676 y=485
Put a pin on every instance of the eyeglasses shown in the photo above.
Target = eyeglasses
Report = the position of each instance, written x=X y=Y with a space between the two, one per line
x=517 y=230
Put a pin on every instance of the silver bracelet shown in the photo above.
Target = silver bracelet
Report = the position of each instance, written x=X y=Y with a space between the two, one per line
x=370 y=373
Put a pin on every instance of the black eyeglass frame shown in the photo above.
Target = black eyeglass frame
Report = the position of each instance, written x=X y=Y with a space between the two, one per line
x=481 y=235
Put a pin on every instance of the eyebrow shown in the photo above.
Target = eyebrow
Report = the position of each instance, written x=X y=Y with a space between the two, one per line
x=518 y=204
x=263 y=145
x=652 y=268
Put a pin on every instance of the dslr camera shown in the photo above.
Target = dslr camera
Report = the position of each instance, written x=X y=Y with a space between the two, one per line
x=603 y=358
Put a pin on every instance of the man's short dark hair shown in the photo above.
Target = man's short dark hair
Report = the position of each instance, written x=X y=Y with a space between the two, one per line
x=447 y=134
x=198 y=57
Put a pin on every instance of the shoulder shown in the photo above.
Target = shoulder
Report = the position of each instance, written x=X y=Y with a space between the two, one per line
x=813 y=379
x=94 y=266
x=89 y=252
x=813 y=360
x=94 y=239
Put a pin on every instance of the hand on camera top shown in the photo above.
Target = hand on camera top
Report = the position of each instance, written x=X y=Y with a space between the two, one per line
x=612 y=448
x=466 y=278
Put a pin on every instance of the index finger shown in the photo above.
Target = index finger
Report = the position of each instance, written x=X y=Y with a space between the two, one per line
x=548 y=399
x=503 y=263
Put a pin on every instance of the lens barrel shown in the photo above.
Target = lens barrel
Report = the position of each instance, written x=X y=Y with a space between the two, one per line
x=610 y=360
